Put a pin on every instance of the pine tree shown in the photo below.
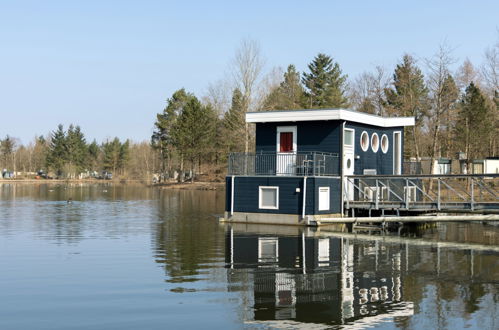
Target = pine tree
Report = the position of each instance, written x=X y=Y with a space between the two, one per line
x=474 y=127
x=289 y=94
x=93 y=155
x=124 y=155
x=234 y=124
x=325 y=83
x=56 y=155
x=161 y=138
x=409 y=97
x=193 y=132
x=111 y=155
x=76 y=150
x=7 y=152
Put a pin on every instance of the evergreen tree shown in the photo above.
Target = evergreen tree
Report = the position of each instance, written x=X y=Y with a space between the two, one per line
x=56 y=154
x=124 y=154
x=194 y=130
x=162 y=139
x=76 y=150
x=474 y=127
x=325 y=83
x=93 y=155
x=234 y=124
x=111 y=155
x=7 y=151
x=289 y=94
x=409 y=97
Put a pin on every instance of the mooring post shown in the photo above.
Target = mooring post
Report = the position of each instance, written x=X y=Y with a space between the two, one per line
x=377 y=195
x=472 y=194
x=407 y=194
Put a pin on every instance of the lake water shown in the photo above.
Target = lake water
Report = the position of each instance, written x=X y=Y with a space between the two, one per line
x=130 y=257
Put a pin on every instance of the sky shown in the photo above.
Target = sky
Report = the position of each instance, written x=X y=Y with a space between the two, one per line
x=109 y=66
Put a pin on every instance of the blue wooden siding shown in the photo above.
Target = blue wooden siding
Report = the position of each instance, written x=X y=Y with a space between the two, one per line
x=311 y=136
x=246 y=194
x=383 y=163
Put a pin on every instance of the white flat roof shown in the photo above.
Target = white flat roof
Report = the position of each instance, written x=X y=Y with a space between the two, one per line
x=327 y=114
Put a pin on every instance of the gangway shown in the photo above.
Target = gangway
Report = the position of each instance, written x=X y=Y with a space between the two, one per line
x=382 y=195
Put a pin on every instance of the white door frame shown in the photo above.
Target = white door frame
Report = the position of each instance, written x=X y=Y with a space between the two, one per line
x=348 y=154
x=397 y=162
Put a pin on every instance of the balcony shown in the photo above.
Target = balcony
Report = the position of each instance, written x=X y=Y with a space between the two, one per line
x=284 y=164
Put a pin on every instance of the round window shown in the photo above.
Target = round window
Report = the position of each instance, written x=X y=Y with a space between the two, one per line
x=364 y=141
x=375 y=142
x=384 y=143
x=349 y=163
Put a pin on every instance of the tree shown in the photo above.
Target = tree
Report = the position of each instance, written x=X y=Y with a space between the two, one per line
x=76 y=150
x=93 y=155
x=409 y=97
x=325 y=83
x=288 y=95
x=234 y=124
x=443 y=96
x=56 y=155
x=368 y=91
x=7 y=148
x=193 y=132
x=161 y=139
x=473 y=127
x=111 y=155
x=247 y=68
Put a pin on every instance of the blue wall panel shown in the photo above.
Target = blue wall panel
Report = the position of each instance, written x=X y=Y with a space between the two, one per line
x=311 y=136
x=383 y=163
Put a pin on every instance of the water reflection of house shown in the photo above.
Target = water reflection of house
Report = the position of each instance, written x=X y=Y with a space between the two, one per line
x=313 y=279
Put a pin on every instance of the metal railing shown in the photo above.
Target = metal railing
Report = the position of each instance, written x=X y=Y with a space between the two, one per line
x=435 y=192
x=285 y=164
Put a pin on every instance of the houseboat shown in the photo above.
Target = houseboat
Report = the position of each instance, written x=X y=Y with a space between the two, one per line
x=297 y=174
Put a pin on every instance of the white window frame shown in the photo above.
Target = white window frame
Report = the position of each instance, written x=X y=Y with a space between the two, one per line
x=353 y=137
x=385 y=150
x=260 y=205
x=360 y=141
x=375 y=150
x=286 y=129
x=397 y=163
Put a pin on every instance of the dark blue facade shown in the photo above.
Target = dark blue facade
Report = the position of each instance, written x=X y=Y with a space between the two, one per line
x=325 y=136
x=381 y=162
x=246 y=194
x=322 y=136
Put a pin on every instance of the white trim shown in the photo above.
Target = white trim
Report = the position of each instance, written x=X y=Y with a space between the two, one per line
x=375 y=150
x=366 y=147
x=260 y=206
x=327 y=114
x=385 y=150
x=399 y=160
x=285 y=129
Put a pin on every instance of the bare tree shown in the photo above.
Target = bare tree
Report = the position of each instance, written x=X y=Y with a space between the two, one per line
x=490 y=73
x=466 y=74
x=443 y=96
x=247 y=67
x=368 y=91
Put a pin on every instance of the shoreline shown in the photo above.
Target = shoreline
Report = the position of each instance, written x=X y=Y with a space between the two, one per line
x=197 y=185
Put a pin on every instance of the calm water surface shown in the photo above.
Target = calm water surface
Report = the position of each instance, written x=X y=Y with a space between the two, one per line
x=128 y=257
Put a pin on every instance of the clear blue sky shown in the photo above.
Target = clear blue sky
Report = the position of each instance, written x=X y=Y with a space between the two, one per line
x=109 y=66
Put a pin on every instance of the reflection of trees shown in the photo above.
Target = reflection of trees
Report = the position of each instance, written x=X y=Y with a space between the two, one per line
x=188 y=238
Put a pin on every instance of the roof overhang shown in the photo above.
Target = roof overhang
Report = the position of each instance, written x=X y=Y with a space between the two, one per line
x=327 y=114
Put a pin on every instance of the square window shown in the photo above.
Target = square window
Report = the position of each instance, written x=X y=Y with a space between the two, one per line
x=268 y=198
x=348 y=137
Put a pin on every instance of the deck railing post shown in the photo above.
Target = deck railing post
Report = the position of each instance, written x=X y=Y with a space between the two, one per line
x=406 y=194
x=438 y=194
x=377 y=195
x=472 y=195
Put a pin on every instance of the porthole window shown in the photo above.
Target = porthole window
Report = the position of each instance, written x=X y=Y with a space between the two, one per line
x=375 y=142
x=384 y=143
x=364 y=141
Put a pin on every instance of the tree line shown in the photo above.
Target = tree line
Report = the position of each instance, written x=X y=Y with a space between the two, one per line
x=455 y=110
